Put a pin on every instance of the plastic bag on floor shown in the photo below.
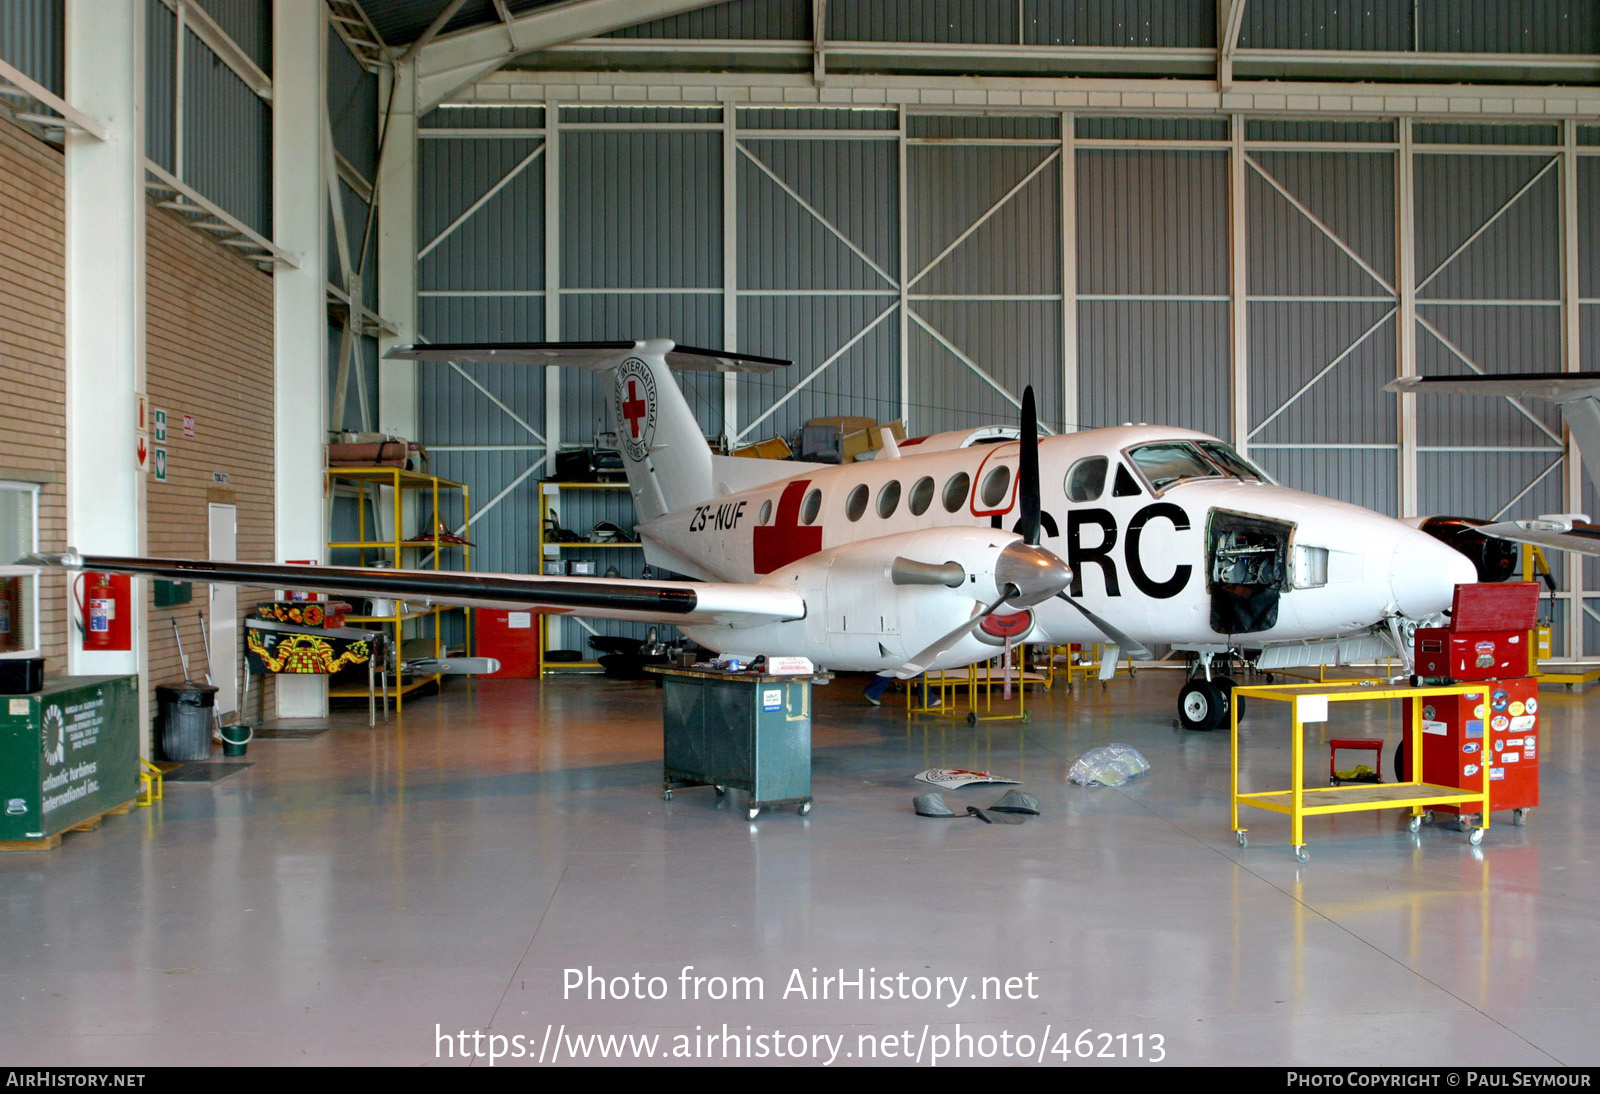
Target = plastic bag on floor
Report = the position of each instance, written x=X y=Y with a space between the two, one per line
x=1109 y=765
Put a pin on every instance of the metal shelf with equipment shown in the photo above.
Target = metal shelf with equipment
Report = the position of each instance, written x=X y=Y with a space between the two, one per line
x=437 y=550
x=597 y=503
x=1311 y=703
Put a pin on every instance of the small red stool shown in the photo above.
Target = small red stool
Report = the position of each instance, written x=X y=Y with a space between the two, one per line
x=1373 y=745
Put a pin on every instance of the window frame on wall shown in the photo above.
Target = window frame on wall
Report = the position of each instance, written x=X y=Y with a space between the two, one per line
x=29 y=544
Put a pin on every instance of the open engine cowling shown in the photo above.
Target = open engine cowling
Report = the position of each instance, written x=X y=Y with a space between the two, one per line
x=1494 y=559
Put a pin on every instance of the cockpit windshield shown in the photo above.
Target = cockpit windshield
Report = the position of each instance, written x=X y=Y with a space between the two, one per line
x=1166 y=463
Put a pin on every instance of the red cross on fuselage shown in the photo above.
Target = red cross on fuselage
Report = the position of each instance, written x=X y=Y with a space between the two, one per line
x=785 y=539
x=633 y=407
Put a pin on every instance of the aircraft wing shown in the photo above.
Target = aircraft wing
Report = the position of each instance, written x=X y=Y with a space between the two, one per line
x=1558 y=387
x=1560 y=533
x=679 y=602
x=595 y=356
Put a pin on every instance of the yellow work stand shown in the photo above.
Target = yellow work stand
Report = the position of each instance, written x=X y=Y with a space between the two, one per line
x=1312 y=702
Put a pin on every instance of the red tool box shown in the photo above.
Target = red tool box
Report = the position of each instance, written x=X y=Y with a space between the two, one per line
x=1498 y=726
x=1487 y=640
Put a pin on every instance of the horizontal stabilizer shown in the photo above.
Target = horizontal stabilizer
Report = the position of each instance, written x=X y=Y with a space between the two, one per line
x=596 y=356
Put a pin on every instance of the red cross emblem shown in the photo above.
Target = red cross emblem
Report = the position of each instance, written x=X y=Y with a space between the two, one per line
x=786 y=539
x=633 y=407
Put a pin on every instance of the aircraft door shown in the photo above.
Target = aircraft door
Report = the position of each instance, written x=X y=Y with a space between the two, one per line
x=1247 y=571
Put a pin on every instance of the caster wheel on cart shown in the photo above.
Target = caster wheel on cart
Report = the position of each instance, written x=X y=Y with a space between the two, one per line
x=666 y=795
x=722 y=791
x=1414 y=825
x=805 y=809
x=1027 y=716
x=972 y=719
x=1462 y=823
x=752 y=813
x=1475 y=837
x=1302 y=855
x=1519 y=817
x=1244 y=840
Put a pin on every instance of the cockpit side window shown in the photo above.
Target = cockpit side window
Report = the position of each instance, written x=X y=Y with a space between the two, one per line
x=1166 y=463
x=1232 y=463
x=1126 y=485
x=1086 y=479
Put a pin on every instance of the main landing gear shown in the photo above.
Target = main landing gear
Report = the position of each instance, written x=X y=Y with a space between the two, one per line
x=1206 y=701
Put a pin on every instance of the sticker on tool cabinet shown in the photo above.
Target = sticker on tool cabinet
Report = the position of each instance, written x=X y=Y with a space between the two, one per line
x=1499 y=746
x=1496 y=773
x=1474 y=729
x=1500 y=700
x=19 y=706
x=1516 y=708
x=1479 y=711
x=1500 y=723
x=1530 y=747
x=1522 y=724
x=1533 y=706
x=1470 y=770
x=771 y=698
x=1470 y=747
x=1438 y=729
x=1511 y=757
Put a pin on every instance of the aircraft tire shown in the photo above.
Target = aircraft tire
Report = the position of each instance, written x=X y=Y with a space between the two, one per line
x=1227 y=685
x=1202 y=706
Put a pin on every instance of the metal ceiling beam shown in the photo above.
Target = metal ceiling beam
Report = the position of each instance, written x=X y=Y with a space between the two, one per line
x=1230 y=22
x=453 y=60
x=957 y=59
x=433 y=30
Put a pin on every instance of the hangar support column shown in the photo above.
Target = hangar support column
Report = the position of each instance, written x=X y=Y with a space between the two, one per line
x=397 y=249
x=300 y=310
x=105 y=289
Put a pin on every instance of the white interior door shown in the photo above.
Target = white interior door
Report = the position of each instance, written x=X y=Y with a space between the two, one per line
x=223 y=521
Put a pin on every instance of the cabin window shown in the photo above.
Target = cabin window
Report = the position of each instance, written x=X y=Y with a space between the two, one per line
x=766 y=511
x=995 y=485
x=811 y=507
x=955 y=491
x=1126 y=486
x=856 y=503
x=921 y=496
x=888 y=499
x=1086 y=480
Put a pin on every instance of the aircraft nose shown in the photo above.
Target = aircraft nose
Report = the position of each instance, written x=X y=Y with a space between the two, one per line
x=1423 y=574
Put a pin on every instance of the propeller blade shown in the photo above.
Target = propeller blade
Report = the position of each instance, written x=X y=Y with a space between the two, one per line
x=1028 y=471
x=1134 y=649
x=919 y=664
x=908 y=571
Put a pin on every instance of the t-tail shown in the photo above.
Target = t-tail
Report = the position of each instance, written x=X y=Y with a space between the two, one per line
x=663 y=448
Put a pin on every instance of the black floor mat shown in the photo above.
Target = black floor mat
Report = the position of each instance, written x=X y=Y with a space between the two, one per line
x=209 y=771
x=288 y=733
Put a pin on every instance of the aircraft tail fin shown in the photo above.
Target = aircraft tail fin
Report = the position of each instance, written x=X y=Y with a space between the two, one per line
x=663 y=447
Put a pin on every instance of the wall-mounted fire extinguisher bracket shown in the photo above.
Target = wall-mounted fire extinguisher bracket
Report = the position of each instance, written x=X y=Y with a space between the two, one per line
x=105 y=610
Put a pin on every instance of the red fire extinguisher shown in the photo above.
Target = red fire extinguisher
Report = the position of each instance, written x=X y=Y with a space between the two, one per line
x=10 y=613
x=105 y=612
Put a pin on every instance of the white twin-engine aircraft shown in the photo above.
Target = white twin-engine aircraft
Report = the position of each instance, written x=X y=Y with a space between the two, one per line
x=942 y=548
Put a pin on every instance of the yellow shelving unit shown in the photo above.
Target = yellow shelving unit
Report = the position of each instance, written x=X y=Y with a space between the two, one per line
x=419 y=553
x=551 y=551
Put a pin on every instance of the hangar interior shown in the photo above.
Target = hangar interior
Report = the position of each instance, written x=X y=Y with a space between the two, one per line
x=1237 y=216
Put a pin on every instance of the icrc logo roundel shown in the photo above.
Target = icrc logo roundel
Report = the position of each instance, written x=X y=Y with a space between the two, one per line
x=635 y=397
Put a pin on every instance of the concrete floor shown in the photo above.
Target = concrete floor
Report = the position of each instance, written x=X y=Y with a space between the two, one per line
x=352 y=897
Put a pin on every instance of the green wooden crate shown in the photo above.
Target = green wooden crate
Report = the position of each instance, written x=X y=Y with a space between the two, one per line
x=67 y=753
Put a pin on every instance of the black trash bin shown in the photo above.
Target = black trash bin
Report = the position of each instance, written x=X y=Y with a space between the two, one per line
x=186 y=719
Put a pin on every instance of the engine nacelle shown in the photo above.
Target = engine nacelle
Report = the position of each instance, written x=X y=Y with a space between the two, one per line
x=1494 y=559
x=907 y=609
